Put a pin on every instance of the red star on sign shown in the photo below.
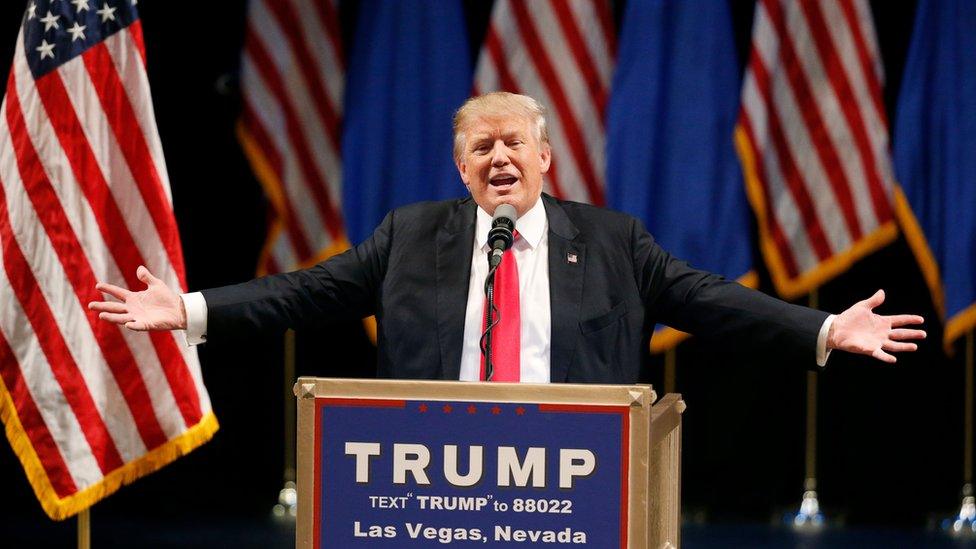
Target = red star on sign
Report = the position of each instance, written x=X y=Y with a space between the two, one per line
x=520 y=411
x=472 y=409
x=496 y=410
x=447 y=408
x=422 y=408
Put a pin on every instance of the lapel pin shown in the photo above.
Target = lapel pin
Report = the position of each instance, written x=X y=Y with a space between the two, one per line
x=571 y=258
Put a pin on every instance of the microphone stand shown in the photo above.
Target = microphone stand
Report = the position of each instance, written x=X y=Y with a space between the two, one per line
x=490 y=321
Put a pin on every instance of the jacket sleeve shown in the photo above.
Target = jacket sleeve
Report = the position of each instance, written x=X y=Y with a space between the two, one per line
x=344 y=286
x=710 y=306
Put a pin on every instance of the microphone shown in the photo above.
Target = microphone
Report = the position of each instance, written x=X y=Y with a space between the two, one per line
x=500 y=236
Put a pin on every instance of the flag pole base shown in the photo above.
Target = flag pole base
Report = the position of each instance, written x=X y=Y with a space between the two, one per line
x=963 y=525
x=808 y=518
x=286 y=510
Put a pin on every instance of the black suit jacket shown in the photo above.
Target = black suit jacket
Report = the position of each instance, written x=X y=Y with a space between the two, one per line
x=413 y=274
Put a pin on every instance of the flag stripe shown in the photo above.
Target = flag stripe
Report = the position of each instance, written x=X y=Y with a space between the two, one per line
x=125 y=246
x=132 y=144
x=584 y=61
x=30 y=419
x=791 y=176
x=295 y=36
x=865 y=53
x=809 y=109
x=848 y=103
x=605 y=18
x=329 y=19
x=774 y=226
x=557 y=95
x=117 y=354
x=272 y=79
x=44 y=324
x=273 y=157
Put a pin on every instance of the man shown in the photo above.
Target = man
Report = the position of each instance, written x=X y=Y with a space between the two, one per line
x=591 y=283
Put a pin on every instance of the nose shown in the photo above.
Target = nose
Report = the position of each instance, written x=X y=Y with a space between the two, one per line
x=499 y=155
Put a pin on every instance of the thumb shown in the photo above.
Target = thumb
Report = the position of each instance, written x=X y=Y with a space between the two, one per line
x=143 y=274
x=876 y=300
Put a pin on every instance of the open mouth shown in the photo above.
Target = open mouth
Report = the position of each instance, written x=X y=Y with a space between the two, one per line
x=503 y=181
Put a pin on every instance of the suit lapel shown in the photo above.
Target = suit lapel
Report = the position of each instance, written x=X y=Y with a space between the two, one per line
x=567 y=260
x=453 y=271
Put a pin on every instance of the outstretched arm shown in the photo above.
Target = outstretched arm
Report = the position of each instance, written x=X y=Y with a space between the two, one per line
x=156 y=308
x=860 y=330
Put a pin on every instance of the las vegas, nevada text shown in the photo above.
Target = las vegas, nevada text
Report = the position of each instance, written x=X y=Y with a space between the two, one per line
x=413 y=461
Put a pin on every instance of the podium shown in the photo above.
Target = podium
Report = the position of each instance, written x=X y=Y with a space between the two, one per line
x=384 y=463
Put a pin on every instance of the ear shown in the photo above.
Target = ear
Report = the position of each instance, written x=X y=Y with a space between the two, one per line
x=545 y=157
x=462 y=168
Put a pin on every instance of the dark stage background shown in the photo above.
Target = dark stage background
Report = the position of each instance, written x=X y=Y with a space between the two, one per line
x=890 y=439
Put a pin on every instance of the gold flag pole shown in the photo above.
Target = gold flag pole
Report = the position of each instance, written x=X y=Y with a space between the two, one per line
x=809 y=515
x=84 y=529
x=287 y=506
x=964 y=524
x=670 y=369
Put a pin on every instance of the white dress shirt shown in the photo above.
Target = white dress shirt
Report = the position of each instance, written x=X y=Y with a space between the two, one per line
x=531 y=251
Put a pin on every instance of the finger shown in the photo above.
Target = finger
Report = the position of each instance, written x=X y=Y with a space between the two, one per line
x=883 y=356
x=899 y=347
x=111 y=289
x=875 y=300
x=904 y=320
x=108 y=307
x=115 y=318
x=902 y=334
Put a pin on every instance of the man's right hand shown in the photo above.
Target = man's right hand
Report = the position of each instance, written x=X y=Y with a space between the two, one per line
x=155 y=308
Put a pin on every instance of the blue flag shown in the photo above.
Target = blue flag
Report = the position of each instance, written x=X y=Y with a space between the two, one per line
x=671 y=160
x=935 y=156
x=409 y=69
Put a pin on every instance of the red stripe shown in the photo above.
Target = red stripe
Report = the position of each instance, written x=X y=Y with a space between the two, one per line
x=257 y=131
x=848 y=103
x=45 y=326
x=791 y=176
x=293 y=127
x=295 y=36
x=135 y=30
x=581 y=54
x=866 y=59
x=574 y=137
x=132 y=143
x=271 y=265
x=810 y=112
x=114 y=348
x=772 y=222
x=606 y=23
x=32 y=422
x=329 y=18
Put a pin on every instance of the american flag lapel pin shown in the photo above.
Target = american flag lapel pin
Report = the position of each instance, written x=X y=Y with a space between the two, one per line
x=571 y=258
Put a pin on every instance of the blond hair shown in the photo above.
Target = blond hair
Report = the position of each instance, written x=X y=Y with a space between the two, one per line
x=498 y=103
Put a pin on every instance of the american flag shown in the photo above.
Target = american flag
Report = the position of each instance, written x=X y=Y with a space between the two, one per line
x=292 y=80
x=84 y=196
x=560 y=52
x=813 y=139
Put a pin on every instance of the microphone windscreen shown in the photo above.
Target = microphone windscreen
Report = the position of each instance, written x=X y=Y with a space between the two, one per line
x=505 y=211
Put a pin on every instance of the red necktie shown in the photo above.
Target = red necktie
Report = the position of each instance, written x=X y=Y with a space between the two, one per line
x=506 y=336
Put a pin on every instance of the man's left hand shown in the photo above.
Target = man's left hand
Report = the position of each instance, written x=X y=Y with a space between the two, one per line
x=860 y=330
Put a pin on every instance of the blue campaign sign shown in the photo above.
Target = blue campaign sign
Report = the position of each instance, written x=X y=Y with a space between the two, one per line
x=416 y=473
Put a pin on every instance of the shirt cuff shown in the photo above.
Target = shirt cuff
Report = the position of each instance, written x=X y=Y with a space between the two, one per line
x=823 y=353
x=196 y=318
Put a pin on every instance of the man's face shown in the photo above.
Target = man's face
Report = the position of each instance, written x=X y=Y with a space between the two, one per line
x=503 y=162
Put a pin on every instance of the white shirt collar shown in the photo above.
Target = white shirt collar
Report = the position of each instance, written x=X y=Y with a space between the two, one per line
x=531 y=226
